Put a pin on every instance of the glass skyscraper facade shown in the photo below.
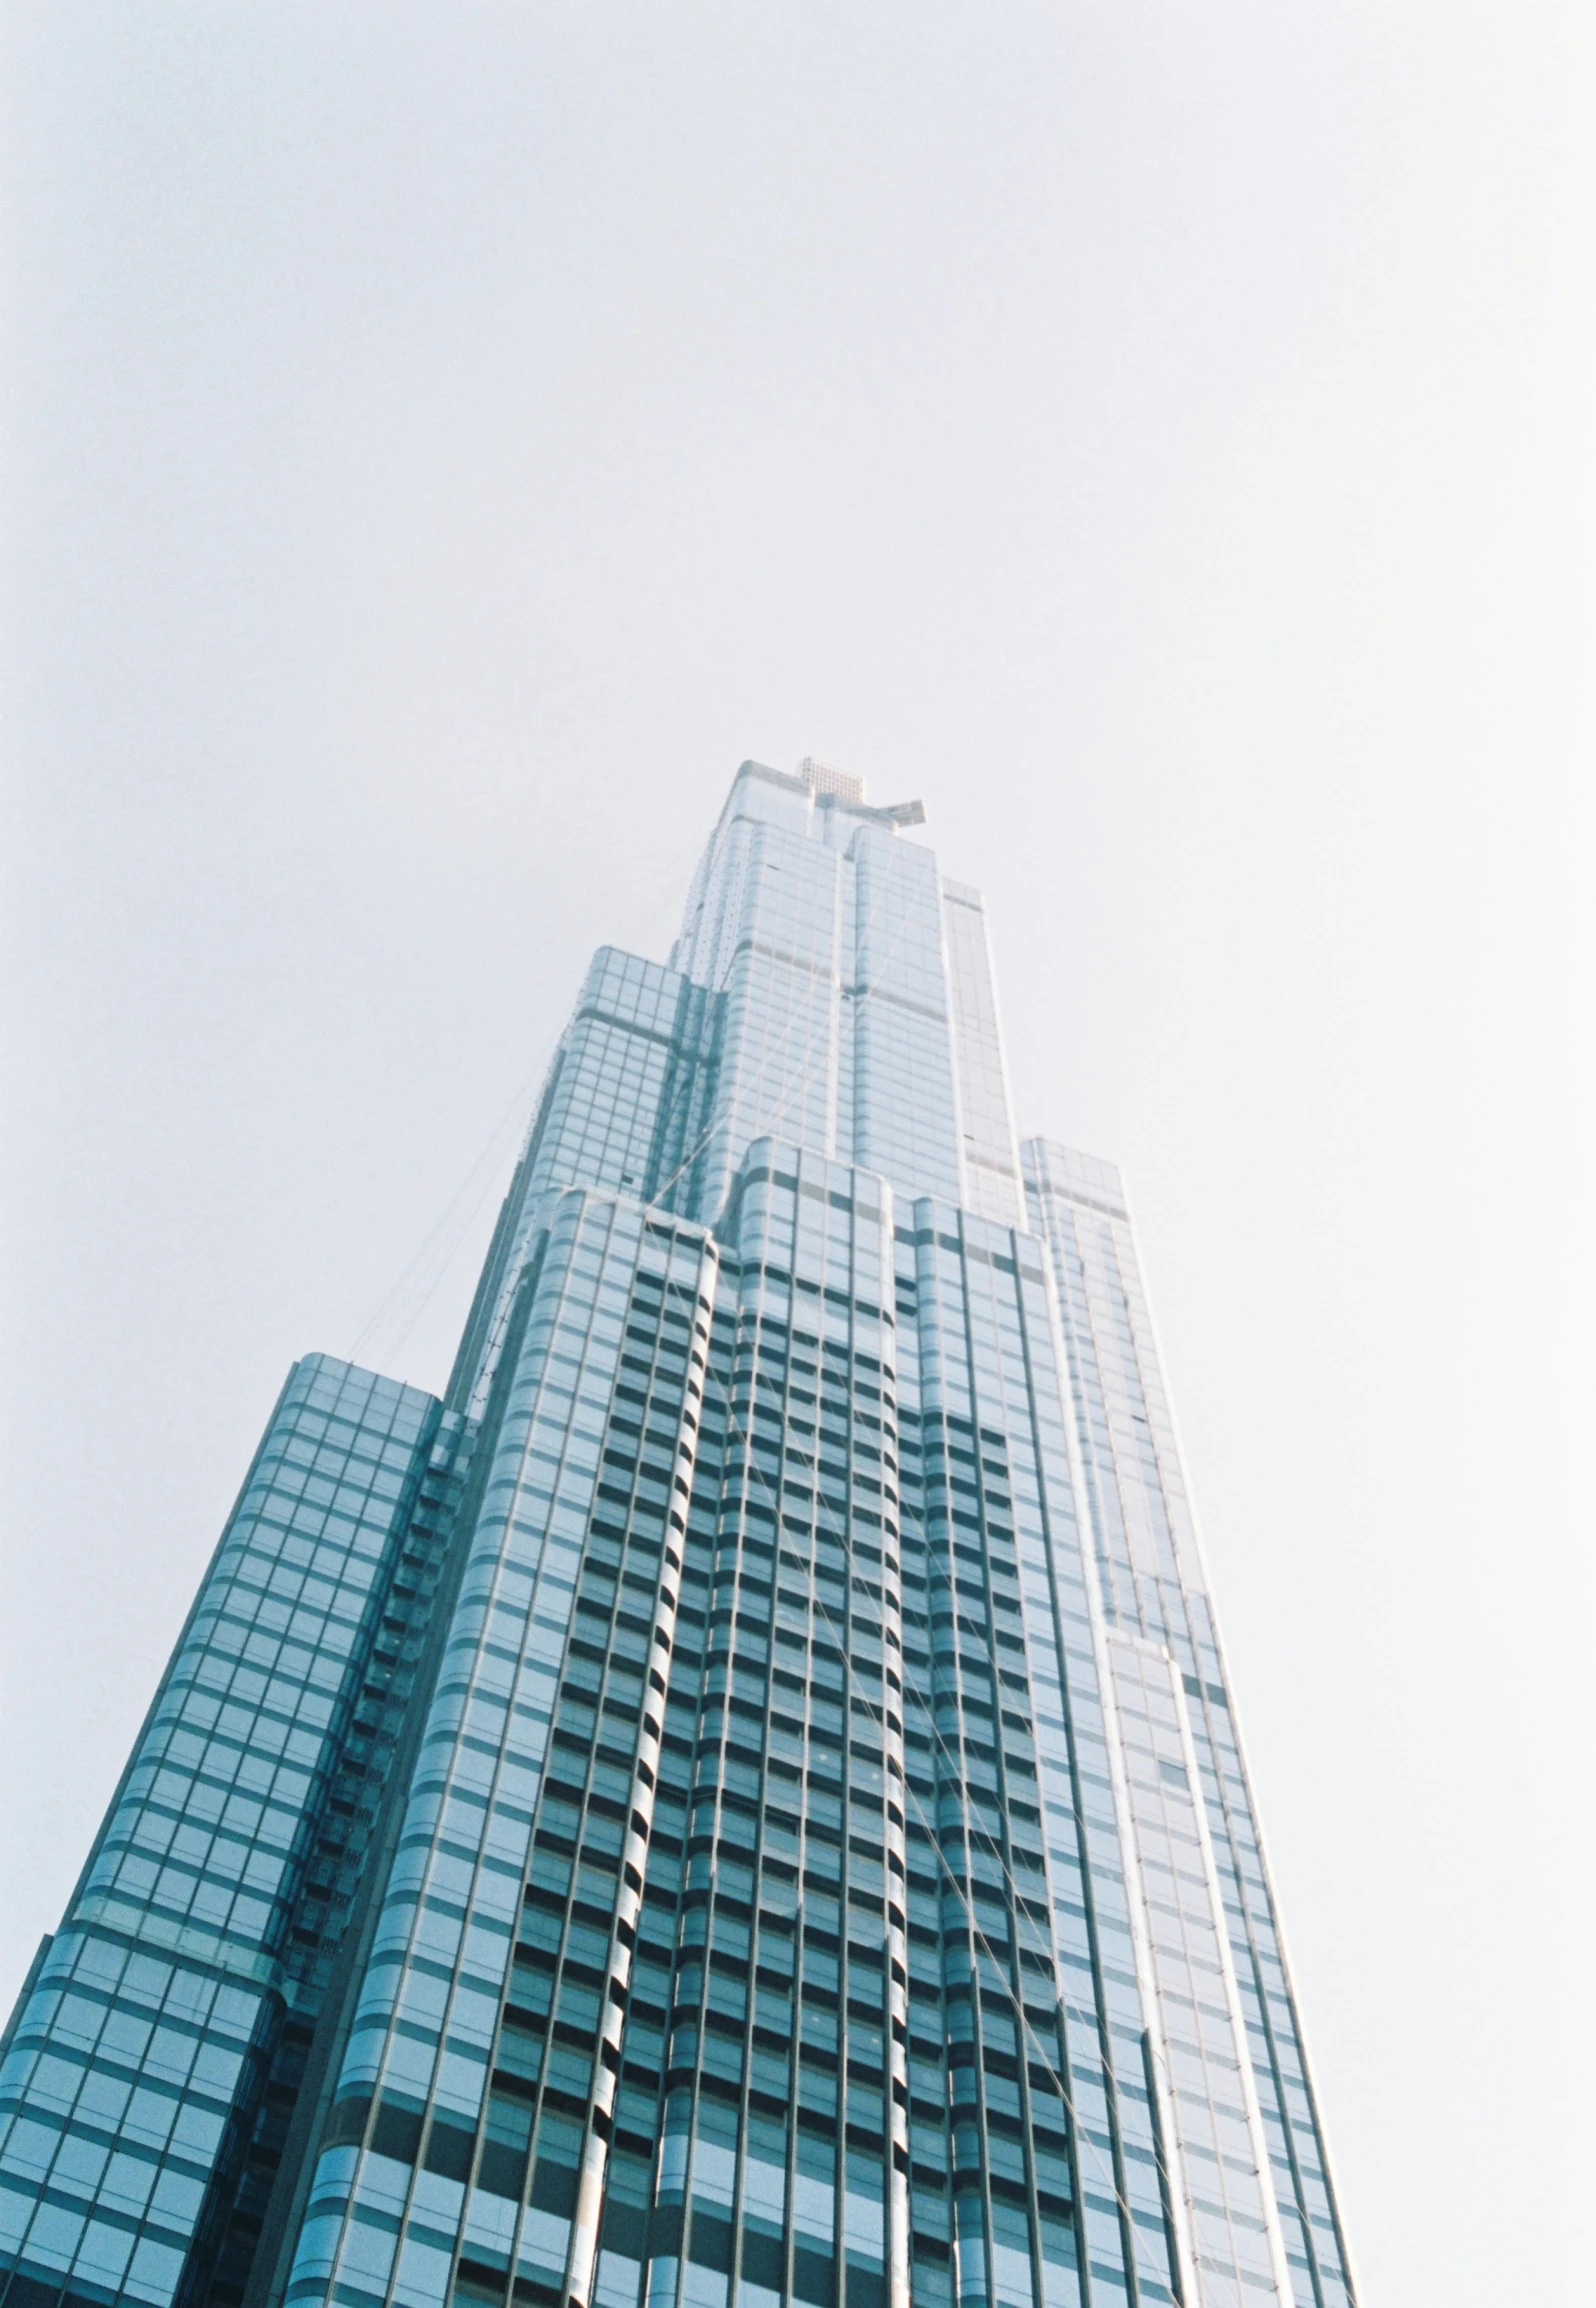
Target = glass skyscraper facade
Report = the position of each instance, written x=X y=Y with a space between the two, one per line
x=738 y=1802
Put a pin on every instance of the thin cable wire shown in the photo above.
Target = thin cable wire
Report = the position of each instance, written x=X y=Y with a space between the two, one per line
x=411 y=1274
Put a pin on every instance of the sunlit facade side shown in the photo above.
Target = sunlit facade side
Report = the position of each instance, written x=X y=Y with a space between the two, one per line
x=738 y=1802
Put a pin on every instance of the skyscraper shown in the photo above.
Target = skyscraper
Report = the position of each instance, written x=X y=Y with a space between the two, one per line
x=737 y=1802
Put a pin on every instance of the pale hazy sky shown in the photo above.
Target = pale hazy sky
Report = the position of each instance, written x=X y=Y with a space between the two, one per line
x=442 y=442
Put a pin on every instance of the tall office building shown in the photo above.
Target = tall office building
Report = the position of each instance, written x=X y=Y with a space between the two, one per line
x=739 y=1801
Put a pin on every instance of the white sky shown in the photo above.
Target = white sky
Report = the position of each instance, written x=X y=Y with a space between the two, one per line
x=443 y=441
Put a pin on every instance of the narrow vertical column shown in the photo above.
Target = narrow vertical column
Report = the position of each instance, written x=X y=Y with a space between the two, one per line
x=872 y=1264
x=1220 y=2152
x=897 y=1977
x=583 y=2259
